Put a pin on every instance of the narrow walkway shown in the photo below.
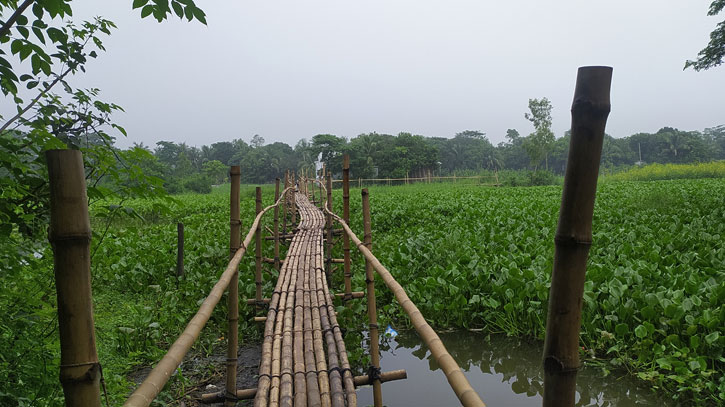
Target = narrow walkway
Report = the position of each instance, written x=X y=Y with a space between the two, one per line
x=304 y=362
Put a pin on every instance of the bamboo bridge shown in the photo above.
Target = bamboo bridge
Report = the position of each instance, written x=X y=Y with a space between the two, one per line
x=304 y=361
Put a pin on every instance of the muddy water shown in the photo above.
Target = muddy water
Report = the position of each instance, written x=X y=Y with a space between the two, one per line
x=504 y=371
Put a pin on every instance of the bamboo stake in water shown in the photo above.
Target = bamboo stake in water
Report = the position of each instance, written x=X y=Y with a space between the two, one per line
x=328 y=243
x=233 y=289
x=179 y=252
x=372 y=308
x=258 y=249
x=70 y=236
x=285 y=209
x=276 y=225
x=346 y=216
x=574 y=234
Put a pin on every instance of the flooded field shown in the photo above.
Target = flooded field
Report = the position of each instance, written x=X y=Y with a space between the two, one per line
x=504 y=371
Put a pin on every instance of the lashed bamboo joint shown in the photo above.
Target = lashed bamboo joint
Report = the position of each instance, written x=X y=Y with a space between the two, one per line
x=304 y=360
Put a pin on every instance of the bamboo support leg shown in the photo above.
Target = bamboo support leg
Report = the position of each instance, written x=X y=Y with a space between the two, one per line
x=258 y=248
x=372 y=309
x=346 y=216
x=233 y=290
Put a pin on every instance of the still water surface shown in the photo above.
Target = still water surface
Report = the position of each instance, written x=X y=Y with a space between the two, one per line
x=504 y=371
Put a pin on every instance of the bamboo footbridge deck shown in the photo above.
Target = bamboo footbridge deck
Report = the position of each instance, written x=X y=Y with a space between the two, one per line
x=301 y=324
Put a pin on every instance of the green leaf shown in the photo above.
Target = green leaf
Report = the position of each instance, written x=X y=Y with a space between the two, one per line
x=139 y=3
x=146 y=11
x=178 y=9
x=711 y=338
x=199 y=14
x=640 y=331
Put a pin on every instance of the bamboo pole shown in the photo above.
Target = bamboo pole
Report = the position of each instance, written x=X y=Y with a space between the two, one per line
x=285 y=209
x=346 y=216
x=317 y=338
x=155 y=381
x=372 y=308
x=179 y=252
x=574 y=234
x=321 y=196
x=233 y=290
x=258 y=248
x=293 y=207
x=276 y=226
x=362 y=380
x=328 y=242
x=70 y=237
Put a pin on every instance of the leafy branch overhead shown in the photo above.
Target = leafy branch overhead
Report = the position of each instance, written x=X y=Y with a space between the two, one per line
x=161 y=9
x=714 y=53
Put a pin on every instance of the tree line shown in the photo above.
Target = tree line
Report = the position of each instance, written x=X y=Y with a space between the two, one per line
x=378 y=155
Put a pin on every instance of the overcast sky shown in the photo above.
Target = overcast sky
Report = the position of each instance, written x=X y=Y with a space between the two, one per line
x=291 y=69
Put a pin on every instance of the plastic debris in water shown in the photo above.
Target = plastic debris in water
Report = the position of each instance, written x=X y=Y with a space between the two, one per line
x=389 y=331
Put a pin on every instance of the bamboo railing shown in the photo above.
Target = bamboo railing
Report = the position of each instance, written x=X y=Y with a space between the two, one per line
x=425 y=179
x=457 y=380
x=157 y=378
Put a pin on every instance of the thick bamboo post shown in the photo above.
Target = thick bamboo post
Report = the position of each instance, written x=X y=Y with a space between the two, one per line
x=233 y=289
x=346 y=216
x=589 y=113
x=70 y=236
x=258 y=249
x=328 y=242
x=372 y=308
x=179 y=252
x=276 y=225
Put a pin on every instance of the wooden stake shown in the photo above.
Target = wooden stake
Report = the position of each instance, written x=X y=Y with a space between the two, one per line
x=372 y=308
x=179 y=252
x=574 y=234
x=328 y=241
x=276 y=225
x=346 y=216
x=258 y=248
x=233 y=289
x=293 y=208
x=70 y=236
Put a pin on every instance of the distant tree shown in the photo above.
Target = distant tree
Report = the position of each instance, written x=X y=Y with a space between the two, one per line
x=216 y=171
x=714 y=53
x=257 y=141
x=538 y=143
x=332 y=148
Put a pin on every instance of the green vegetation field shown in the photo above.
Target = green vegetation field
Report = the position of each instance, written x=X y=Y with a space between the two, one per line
x=469 y=256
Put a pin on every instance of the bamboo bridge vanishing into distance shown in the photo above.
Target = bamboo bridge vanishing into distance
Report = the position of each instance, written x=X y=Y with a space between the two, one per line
x=304 y=361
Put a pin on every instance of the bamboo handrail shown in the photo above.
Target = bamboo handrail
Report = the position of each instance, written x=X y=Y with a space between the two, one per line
x=155 y=381
x=418 y=179
x=457 y=380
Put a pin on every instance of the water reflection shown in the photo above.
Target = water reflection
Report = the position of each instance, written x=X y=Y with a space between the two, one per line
x=505 y=372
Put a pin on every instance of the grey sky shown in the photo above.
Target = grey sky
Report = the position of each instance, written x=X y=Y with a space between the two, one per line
x=292 y=69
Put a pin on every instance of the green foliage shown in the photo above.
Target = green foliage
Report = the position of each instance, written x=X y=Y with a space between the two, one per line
x=481 y=258
x=538 y=143
x=714 y=53
x=715 y=169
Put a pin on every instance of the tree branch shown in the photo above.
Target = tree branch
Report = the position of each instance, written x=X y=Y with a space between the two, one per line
x=5 y=29
x=34 y=101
